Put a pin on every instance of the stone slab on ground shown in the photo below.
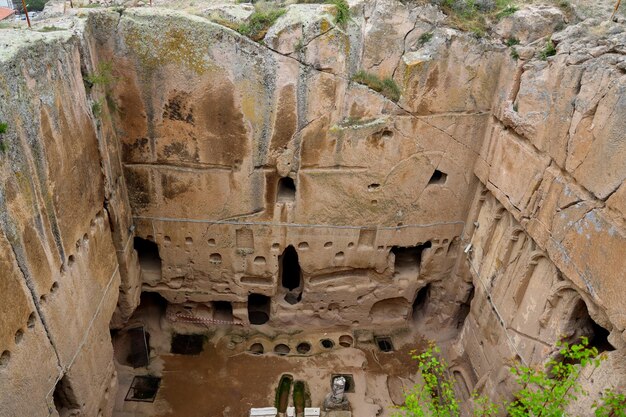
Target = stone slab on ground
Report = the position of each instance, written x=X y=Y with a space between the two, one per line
x=338 y=414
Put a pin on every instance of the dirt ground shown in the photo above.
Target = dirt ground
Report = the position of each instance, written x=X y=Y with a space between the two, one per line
x=225 y=380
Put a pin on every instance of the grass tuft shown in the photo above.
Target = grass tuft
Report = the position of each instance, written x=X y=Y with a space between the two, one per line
x=425 y=38
x=96 y=108
x=342 y=11
x=259 y=22
x=387 y=87
x=102 y=76
x=3 y=145
x=548 y=50
x=512 y=42
x=49 y=29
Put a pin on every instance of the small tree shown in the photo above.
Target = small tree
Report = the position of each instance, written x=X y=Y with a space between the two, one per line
x=546 y=391
x=436 y=397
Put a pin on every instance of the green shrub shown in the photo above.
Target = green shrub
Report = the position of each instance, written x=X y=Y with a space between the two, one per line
x=102 y=76
x=282 y=393
x=3 y=145
x=514 y=54
x=32 y=5
x=387 y=87
x=612 y=405
x=259 y=22
x=96 y=108
x=342 y=14
x=548 y=50
x=548 y=391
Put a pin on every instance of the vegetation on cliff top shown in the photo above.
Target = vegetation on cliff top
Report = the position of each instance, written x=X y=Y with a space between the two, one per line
x=473 y=16
x=260 y=21
x=544 y=391
x=342 y=13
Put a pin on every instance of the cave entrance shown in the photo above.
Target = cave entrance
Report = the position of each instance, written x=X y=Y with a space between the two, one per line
x=187 y=344
x=464 y=308
x=420 y=302
x=286 y=190
x=148 y=254
x=258 y=309
x=438 y=178
x=139 y=341
x=407 y=260
x=581 y=324
x=64 y=398
x=291 y=275
x=222 y=310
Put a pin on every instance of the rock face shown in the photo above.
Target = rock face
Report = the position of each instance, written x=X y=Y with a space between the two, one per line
x=260 y=186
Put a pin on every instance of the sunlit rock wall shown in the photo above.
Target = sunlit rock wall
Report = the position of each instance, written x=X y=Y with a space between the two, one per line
x=60 y=273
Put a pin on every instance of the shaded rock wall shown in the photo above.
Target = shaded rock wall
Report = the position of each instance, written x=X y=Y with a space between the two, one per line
x=547 y=225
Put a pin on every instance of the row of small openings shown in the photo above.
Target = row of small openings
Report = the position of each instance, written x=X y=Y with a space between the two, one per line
x=437 y=178
x=303 y=348
x=5 y=356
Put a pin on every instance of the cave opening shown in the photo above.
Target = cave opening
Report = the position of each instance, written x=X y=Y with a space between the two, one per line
x=148 y=254
x=187 y=344
x=438 y=178
x=258 y=309
x=64 y=398
x=421 y=299
x=582 y=325
x=291 y=275
x=408 y=259
x=286 y=190
x=464 y=308
x=384 y=344
x=222 y=310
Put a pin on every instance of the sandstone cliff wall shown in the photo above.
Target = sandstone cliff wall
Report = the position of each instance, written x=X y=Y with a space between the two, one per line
x=60 y=270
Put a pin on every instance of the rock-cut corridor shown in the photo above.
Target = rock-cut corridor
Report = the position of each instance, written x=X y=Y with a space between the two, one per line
x=195 y=213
